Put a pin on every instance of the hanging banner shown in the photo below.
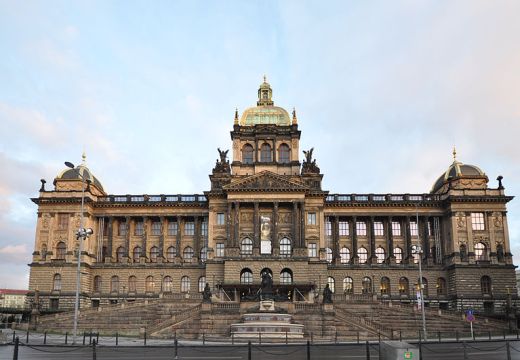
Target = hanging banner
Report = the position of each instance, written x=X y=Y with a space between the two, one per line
x=419 y=300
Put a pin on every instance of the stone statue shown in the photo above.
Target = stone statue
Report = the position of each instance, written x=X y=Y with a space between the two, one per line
x=266 y=286
x=309 y=165
x=327 y=295
x=206 y=294
x=308 y=155
x=222 y=164
x=223 y=155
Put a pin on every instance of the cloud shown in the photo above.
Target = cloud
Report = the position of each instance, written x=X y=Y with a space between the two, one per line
x=15 y=253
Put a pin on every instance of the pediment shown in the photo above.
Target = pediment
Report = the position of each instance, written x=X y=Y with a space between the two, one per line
x=265 y=181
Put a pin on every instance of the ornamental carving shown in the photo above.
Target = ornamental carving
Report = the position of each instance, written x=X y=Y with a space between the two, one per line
x=482 y=239
x=285 y=218
x=246 y=217
x=46 y=219
x=497 y=220
x=461 y=220
x=265 y=181
x=77 y=220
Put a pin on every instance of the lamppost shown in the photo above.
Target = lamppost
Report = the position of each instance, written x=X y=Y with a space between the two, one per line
x=81 y=235
x=419 y=251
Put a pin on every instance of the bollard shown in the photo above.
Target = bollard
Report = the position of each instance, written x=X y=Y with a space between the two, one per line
x=439 y=334
x=249 y=350
x=45 y=338
x=420 y=351
x=489 y=335
x=391 y=334
x=14 y=335
x=336 y=337
x=312 y=337
x=84 y=335
x=400 y=335
x=508 y=350
x=66 y=337
x=176 y=356
x=516 y=334
x=286 y=338
x=358 y=337
x=367 y=347
x=473 y=335
x=203 y=338
x=504 y=333
x=259 y=338
x=379 y=337
x=16 y=344
x=90 y=337
x=457 y=335
x=27 y=337
x=308 y=350
x=94 y=355
x=97 y=338
x=145 y=338
x=117 y=338
x=232 y=339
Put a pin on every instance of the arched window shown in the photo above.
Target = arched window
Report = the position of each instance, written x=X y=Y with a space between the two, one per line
x=285 y=247
x=441 y=286
x=187 y=254
x=344 y=255
x=132 y=284
x=385 y=286
x=331 y=282
x=362 y=255
x=185 y=284
x=246 y=276
x=246 y=246
x=265 y=153
x=480 y=251
x=202 y=283
x=425 y=286
x=247 y=154
x=328 y=254
x=204 y=254
x=97 y=283
x=137 y=253
x=348 y=285
x=56 y=282
x=366 y=285
x=500 y=253
x=485 y=285
x=404 y=286
x=286 y=276
x=114 y=284
x=380 y=255
x=171 y=252
x=284 y=154
x=154 y=253
x=61 y=250
x=167 y=284
x=149 y=284
x=463 y=253
x=120 y=254
x=398 y=254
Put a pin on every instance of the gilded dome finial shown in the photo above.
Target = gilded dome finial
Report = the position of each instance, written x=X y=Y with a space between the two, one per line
x=294 y=118
x=236 y=116
x=265 y=78
x=83 y=157
x=454 y=154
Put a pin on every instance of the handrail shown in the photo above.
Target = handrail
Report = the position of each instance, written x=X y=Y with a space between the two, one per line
x=176 y=318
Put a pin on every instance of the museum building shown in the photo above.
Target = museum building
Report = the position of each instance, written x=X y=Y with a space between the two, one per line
x=266 y=212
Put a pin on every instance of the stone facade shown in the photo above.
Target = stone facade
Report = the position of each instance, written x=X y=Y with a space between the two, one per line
x=266 y=209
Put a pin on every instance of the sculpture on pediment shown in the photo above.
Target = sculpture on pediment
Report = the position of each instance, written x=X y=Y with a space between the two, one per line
x=309 y=165
x=222 y=164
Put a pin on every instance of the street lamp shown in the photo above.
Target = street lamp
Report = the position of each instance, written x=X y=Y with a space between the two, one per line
x=419 y=251
x=81 y=235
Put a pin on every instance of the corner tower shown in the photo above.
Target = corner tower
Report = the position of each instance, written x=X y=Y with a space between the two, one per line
x=265 y=138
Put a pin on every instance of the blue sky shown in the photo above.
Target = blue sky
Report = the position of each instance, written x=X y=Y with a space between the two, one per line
x=383 y=91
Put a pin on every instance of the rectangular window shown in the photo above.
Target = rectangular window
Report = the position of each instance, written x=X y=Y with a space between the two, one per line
x=63 y=221
x=221 y=219
x=204 y=229
x=477 y=221
x=378 y=228
x=361 y=228
x=328 y=227
x=122 y=228
x=313 y=251
x=156 y=228
x=54 y=304
x=396 y=228
x=189 y=228
x=220 y=250
x=311 y=218
x=343 y=228
x=413 y=228
x=172 y=228
x=139 y=228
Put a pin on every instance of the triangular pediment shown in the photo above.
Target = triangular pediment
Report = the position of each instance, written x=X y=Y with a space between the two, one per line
x=265 y=181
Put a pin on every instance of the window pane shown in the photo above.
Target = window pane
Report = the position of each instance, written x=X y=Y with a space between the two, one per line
x=361 y=228
x=413 y=228
x=189 y=228
x=378 y=228
x=362 y=255
x=220 y=219
x=396 y=228
x=311 y=218
x=172 y=228
x=220 y=250
x=343 y=228
x=312 y=248
x=477 y=221
x=156 y=228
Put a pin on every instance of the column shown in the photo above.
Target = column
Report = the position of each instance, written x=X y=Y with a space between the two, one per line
x=302 y=223
x=228 y=226
x=295 y=226
x=256 y=226
x=389 y=237
x=178 y=236
x=196 y=237
x=372 y=240
x=426 y=238
x=407 y=239
x=353 y=235
x=276 y=244
x=236 y=223
x=335 y=237
x=110 y=237
x=127 y=236
x=161 y=237
x=144 y=253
